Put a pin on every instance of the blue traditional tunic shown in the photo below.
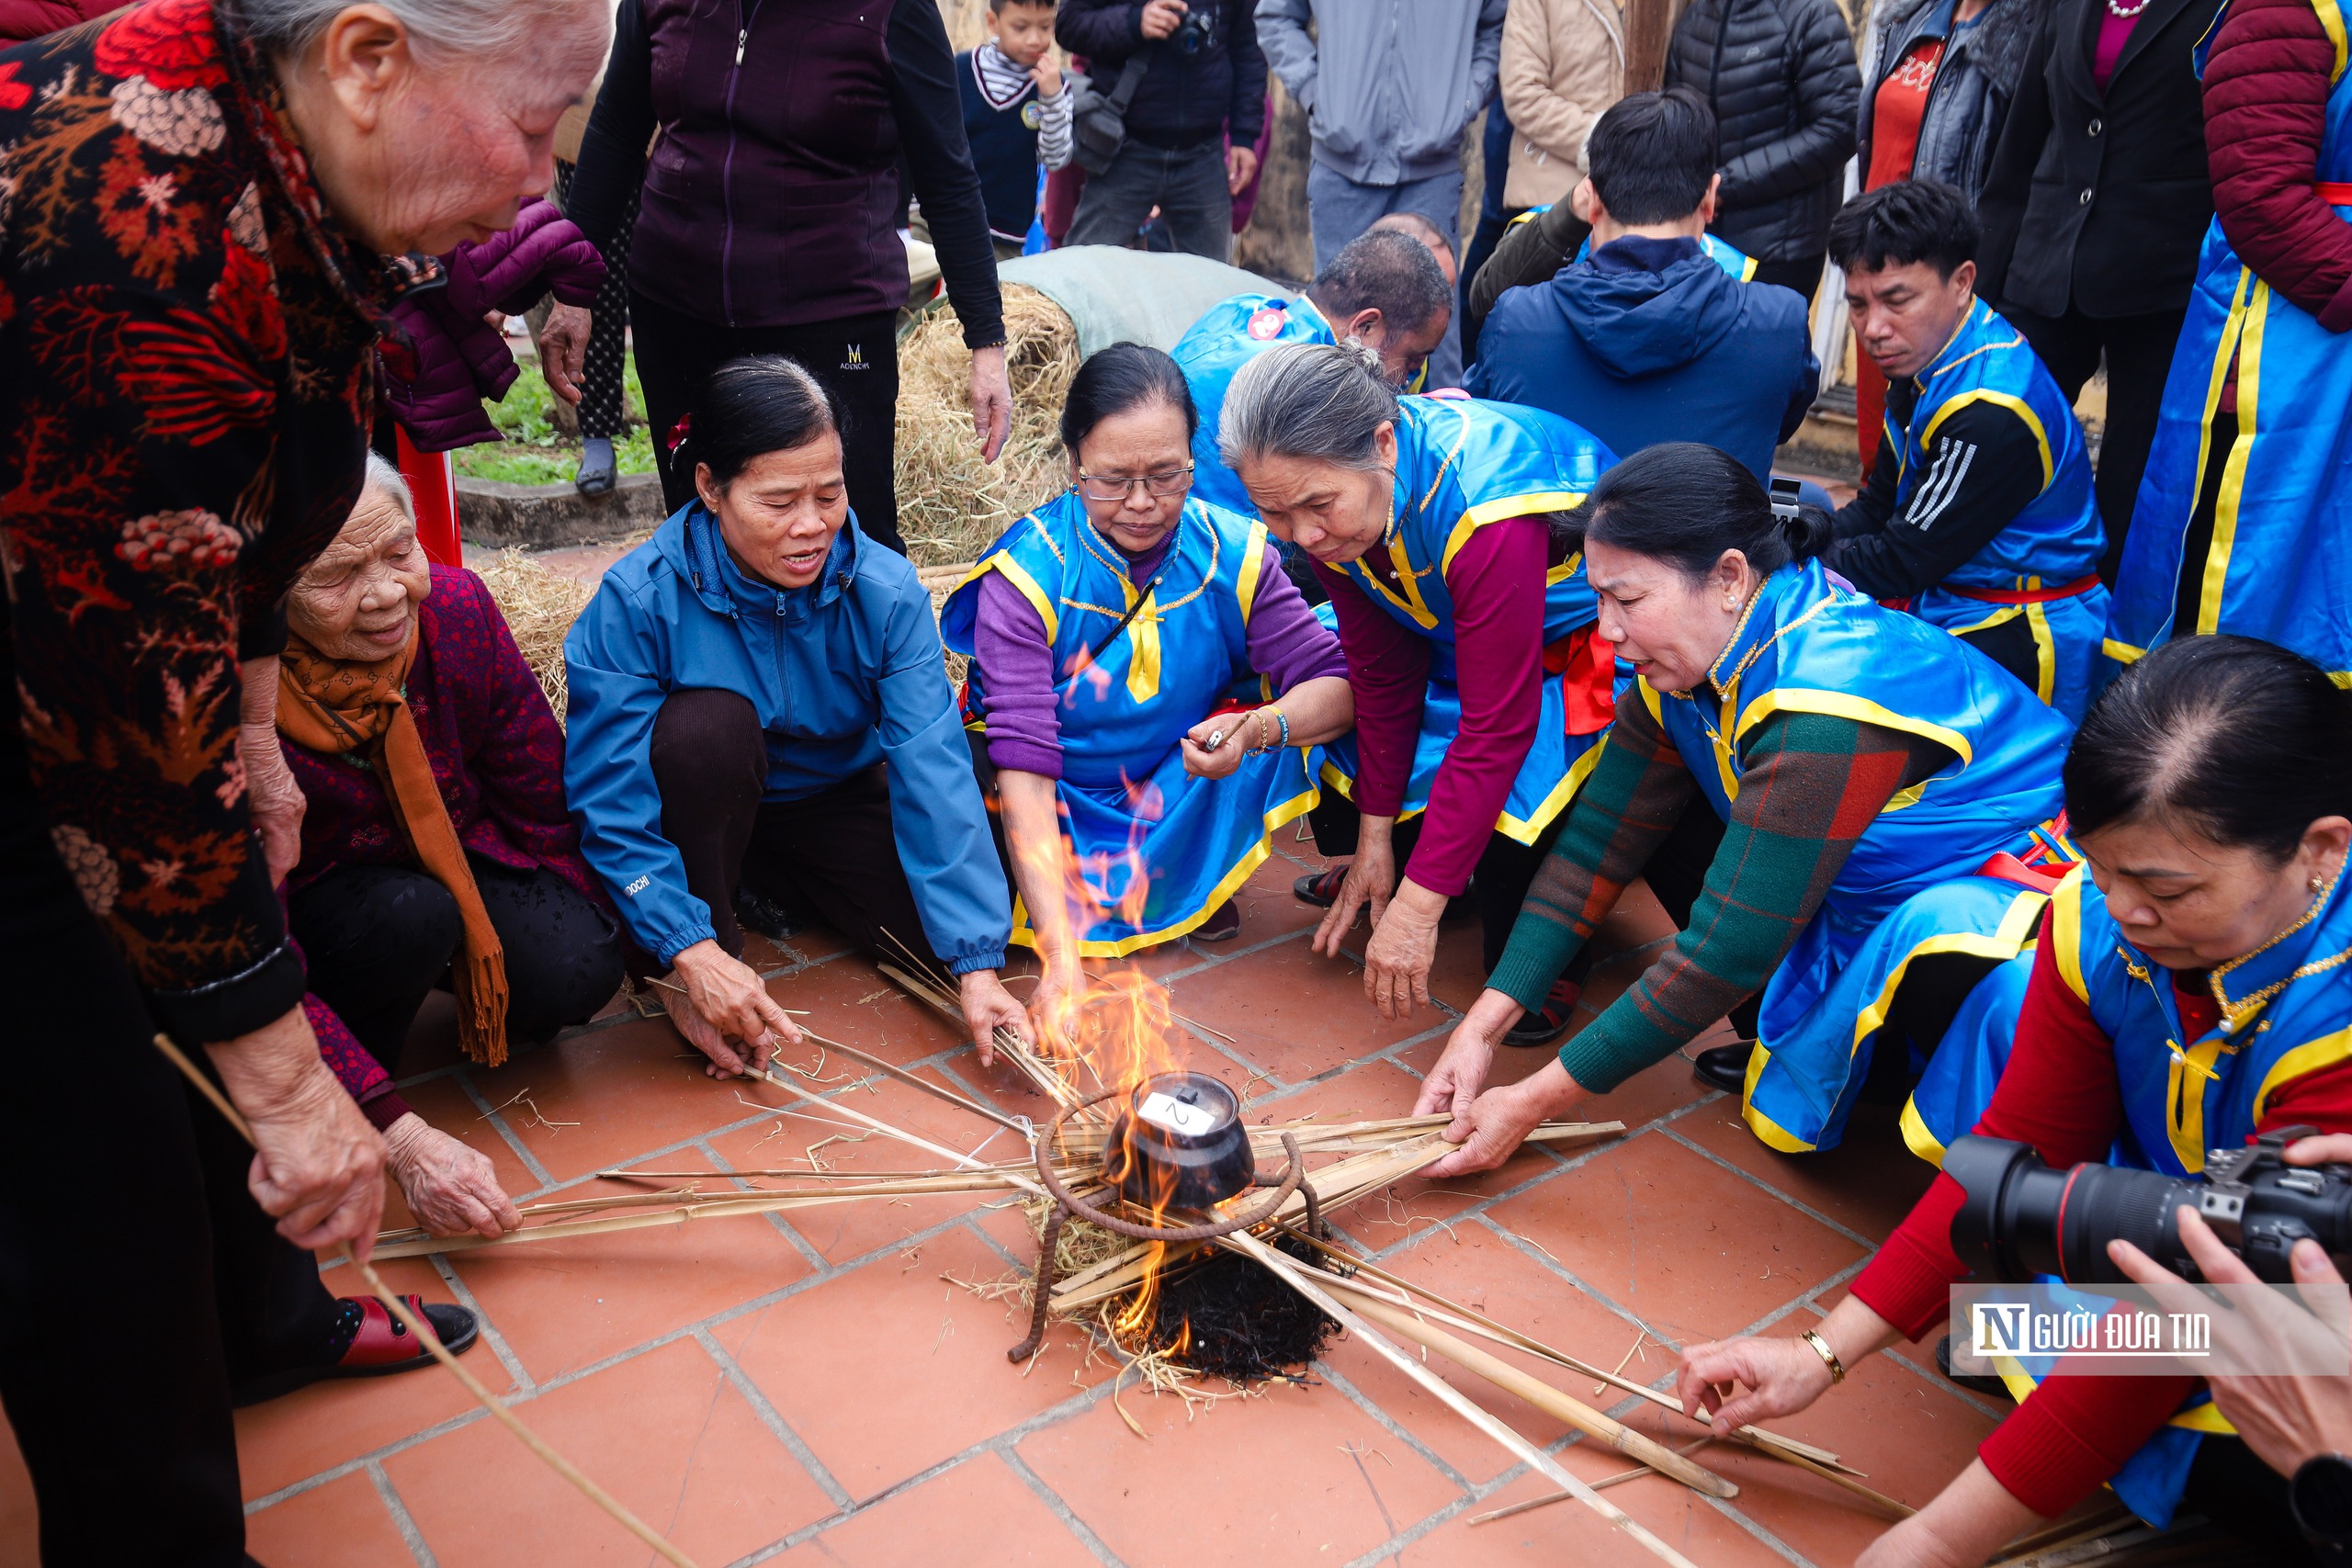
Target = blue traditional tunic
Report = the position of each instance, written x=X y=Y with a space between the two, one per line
x=2043 y=566
x=2284 y=1012
x=1211 y=351
x=1461 y=464
x=1158 y=848
x=1808 y=643
x=2276 y=568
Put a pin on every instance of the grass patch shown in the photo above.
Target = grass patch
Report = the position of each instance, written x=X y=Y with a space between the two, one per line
x=533 y=451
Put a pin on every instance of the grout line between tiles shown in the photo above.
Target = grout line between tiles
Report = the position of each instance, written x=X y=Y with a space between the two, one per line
x=1771 y=1541
x=1802 y=1207
x=1061 y=1509
x=1389 y=1423
x=489 y=1113
x=490 y=1334
x=773 y=1419
x=411 y=1536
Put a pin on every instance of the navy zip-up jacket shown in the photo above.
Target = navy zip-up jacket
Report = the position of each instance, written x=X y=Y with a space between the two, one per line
x=844 y=674
x=1647 y=341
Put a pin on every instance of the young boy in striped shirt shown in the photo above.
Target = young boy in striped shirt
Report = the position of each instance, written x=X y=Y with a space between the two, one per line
x=1016 y=115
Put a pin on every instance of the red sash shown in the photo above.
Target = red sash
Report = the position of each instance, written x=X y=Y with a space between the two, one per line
x=2024 y=595
x=1586 y=666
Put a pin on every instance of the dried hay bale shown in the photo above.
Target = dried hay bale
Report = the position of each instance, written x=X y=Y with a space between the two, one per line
x=951 y=504
x=540 y=606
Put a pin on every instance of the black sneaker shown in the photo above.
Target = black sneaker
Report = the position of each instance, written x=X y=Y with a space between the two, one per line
x=1723 y=1067
x=756 y=912
x=1322 y=889
x=1223 y=925
x=1551 y=1020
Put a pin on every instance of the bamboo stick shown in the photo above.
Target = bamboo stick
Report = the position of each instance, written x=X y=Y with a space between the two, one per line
x=1551 y=1400
x=1290 y=1272
x=432 y=1343
x=1603 y=1485
x=949 y=1095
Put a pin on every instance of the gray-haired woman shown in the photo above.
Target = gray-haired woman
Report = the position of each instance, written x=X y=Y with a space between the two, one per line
x=1479 y=692
x=200 y=197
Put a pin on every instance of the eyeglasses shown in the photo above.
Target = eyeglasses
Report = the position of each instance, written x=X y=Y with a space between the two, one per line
x=1109 y=487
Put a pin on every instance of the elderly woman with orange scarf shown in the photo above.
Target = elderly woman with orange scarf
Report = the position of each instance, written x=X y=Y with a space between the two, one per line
x=434 y=841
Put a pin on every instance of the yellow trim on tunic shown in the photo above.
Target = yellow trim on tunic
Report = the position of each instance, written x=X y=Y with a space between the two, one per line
x=2016 y=406
x=2331 y=22
x=2308 y=1057
x=2121 y=652
x=2205 y=1419
x=1017 y=575
x=1253 y=564
x=1916 y=1138
x=1770 y=1133
x=2066 y=933
x=1526 y=830
x=1289 y=811
x=2225 y=511
x=2008 y=938
x=1500 y=508
x=2045 y=645
x=1842 y=705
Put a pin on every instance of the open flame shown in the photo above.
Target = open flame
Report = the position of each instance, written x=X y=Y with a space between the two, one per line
x=1115 y=1025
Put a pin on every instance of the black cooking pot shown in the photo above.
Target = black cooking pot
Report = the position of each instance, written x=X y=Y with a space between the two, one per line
x=1179 y=1144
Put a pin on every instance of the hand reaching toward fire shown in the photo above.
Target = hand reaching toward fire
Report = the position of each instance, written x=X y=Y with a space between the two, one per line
x=988 y=1007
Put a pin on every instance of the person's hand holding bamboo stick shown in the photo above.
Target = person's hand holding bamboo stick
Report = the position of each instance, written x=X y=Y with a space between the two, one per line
x=722 y=1007
x=319 y=1166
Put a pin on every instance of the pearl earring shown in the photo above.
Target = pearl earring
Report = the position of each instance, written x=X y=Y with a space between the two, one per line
x=2316 y=882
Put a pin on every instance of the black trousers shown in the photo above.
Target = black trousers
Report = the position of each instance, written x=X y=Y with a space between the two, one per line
x=1804 y=274
x=127 y=1312
x=832 y=854
x=2139 y=356
x=377 y=938
x=857 y=358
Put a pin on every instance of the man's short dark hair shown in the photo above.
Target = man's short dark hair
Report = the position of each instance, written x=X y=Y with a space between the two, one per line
x=996 y=7
x=1652 y=156
x=1387 y=271
x=1895 y=225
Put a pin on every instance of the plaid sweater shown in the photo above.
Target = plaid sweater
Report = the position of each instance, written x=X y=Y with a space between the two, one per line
x=1809 y=786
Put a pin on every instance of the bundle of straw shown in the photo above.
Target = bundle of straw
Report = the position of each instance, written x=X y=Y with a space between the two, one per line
x=950 y=503
x=540 y=606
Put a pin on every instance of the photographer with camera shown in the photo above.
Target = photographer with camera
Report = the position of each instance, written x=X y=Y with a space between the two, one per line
x=2300 y=1426
x=2190 y=990
x=1193 y=89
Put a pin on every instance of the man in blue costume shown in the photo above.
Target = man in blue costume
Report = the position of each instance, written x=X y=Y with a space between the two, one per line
x=1650 y=335
x=1384 y=290
x=1979 y=516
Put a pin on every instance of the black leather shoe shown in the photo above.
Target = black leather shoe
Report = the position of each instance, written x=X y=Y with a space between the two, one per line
x=1723 y=1067
x=1322 y=889
x=1992 y=1388
x=1551 y=1020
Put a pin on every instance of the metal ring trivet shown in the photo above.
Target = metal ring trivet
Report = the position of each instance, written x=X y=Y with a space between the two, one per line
x=1293 y=1179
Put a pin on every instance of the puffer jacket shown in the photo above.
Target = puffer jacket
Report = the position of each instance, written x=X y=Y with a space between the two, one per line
x=1780 y=77
x=1968 y=103
x=458 y=358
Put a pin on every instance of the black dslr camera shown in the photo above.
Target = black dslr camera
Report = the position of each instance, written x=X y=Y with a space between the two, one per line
x=1197 y=30
x=2020 y=1218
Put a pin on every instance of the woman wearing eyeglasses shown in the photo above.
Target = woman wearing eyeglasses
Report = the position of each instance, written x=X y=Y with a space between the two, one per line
x=1144 y=686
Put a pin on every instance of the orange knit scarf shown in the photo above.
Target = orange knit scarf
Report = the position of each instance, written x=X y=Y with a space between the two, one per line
x=335 y=705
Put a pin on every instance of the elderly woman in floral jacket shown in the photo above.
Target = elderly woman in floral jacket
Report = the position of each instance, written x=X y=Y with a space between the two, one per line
x=199 y=197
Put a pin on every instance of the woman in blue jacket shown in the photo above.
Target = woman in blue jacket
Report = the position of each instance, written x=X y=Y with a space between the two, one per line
x=738 y=683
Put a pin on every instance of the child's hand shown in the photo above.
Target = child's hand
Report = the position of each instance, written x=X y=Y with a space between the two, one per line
x=1048 y=77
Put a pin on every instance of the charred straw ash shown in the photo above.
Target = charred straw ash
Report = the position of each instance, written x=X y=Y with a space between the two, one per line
x=1246 y=1324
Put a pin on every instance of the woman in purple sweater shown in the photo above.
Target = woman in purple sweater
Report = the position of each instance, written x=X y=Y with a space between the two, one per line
x=1146 y=682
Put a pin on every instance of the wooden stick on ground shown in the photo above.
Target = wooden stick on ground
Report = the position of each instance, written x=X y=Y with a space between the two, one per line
x=1551 y=1400
x=1603 y=1485
x=426 y=1336
x=1300 y=1279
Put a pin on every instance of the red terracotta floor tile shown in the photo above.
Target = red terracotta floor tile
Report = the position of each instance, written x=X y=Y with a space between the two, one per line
x=810 y=943
x=1658 y=1230
x=1867 y=1182
x=1910 y=1434
x=445 y=1104
x=565 y=1305
x=664 y=1433
x=1480 y=1270
x=891 y=1368
x=281 y=1440
x=849 y=1000
x=856 y=1227
x=979 y=1514
x=1293 y=1013
x=1299 y=1475
x=608 y=1095
x=343 y=1524
x=1568 y=1532
x=19 y=1516
x=1459 y=972
x=1268 y=906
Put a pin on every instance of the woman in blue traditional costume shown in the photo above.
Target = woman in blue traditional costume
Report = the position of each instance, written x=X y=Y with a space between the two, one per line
x=1480 y=693
x=2245 y=506
x=2188 y=992
x=1810 y=783
x=1144 y=687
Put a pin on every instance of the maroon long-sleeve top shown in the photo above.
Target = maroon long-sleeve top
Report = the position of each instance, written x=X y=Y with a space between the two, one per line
x=2266 y=82
x=2060 y=1093
x=1495 y=582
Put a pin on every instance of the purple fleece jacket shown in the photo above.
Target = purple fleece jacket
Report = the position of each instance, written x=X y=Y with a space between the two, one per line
x=461 y=358
x=1288 y=644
